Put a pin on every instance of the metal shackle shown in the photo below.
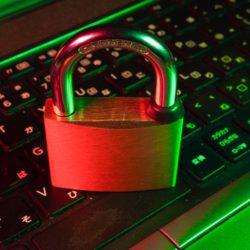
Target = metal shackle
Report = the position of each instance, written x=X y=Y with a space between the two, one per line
x=107 y=36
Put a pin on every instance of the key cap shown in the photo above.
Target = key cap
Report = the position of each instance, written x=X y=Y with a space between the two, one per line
x=46 y=57
x=42 y=83
x=227 y=60
x=17 y=130
x=17 y=96
x=243 y=43
x=16 y=218
x=38 y=110
x=242 y=15
x=134 y=18
x=200 y=162
x=155 y=27
x=243 y=120
x=209 y=106
x=191 y=45
x=37 y=153
x=17 y=70
x=209 y=9
x=128 y=77
x=230 y=141
x=150 y=89
x=197 y=75
x=237 y=88
x=190 y=126
x=97 y=86
x=53 y=201
x=92 y=64
x=117 y=55
x=13 y=173
x=163 y=7
x=219 y=30
x=180 y=21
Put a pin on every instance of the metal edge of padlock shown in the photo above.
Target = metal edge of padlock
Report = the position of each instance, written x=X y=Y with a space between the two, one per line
x=70 y=166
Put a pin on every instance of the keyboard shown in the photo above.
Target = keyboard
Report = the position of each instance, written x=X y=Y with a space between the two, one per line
x=210 y=42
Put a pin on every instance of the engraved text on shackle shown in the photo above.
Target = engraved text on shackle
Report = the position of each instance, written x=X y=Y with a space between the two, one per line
x=113 y=43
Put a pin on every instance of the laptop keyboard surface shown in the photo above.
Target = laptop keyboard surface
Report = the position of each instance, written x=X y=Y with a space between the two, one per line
x=210 y=41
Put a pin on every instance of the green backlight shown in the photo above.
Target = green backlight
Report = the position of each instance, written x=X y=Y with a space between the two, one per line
x=63 y=38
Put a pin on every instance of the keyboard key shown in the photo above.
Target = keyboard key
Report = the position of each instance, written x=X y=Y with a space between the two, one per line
x=180 y=21
x=190 y=126
x=163 y=7
x=155 y=27
x=97 y=86
x=237 y=88
x=242 y=15
x=42 y=82
x=209 y=106
x=17 y=130
x=16 y=218
x=52 y=201
x=243 y=120
x=134 y=18
x=117 y=55
x=219 y=30
x=190 y=46
x=13 y=173
x=227 y=60
x=149 y=91
x=196 y=75
x=37 y=153
x=17 y=96
x=128 y=77
x=38 y=110
x=199 y=161
x=46 y=57
x=209 y=9
x=17 y=70
x=92 y=64
x=243 y=43
x=230 y=141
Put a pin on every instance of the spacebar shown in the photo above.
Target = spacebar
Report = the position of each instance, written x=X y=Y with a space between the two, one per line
x=91 y=225
x=208 y=214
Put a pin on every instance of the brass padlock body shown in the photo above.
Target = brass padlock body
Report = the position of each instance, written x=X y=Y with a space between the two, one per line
x=111 y=144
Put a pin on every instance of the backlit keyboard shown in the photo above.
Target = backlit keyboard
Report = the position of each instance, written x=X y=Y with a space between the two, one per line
x=210 y=41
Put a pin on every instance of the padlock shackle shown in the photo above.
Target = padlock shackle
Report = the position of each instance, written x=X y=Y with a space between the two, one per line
x=107 y=36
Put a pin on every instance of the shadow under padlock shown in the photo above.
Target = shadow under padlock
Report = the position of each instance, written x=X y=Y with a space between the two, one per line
x=119 y=143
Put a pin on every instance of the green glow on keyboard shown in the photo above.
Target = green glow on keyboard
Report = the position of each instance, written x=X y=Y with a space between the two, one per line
x=61 y=39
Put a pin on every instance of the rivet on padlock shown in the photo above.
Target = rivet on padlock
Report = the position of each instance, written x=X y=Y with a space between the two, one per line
x=113 y=144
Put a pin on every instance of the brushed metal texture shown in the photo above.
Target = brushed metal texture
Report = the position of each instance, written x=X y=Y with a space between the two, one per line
x=111 y=144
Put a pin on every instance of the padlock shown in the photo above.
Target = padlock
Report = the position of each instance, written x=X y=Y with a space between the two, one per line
x=113 y=143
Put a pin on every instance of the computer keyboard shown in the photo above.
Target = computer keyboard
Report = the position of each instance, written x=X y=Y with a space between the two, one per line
x=210 y=41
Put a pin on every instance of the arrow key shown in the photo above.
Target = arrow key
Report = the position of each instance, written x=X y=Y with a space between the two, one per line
x=52 y=201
